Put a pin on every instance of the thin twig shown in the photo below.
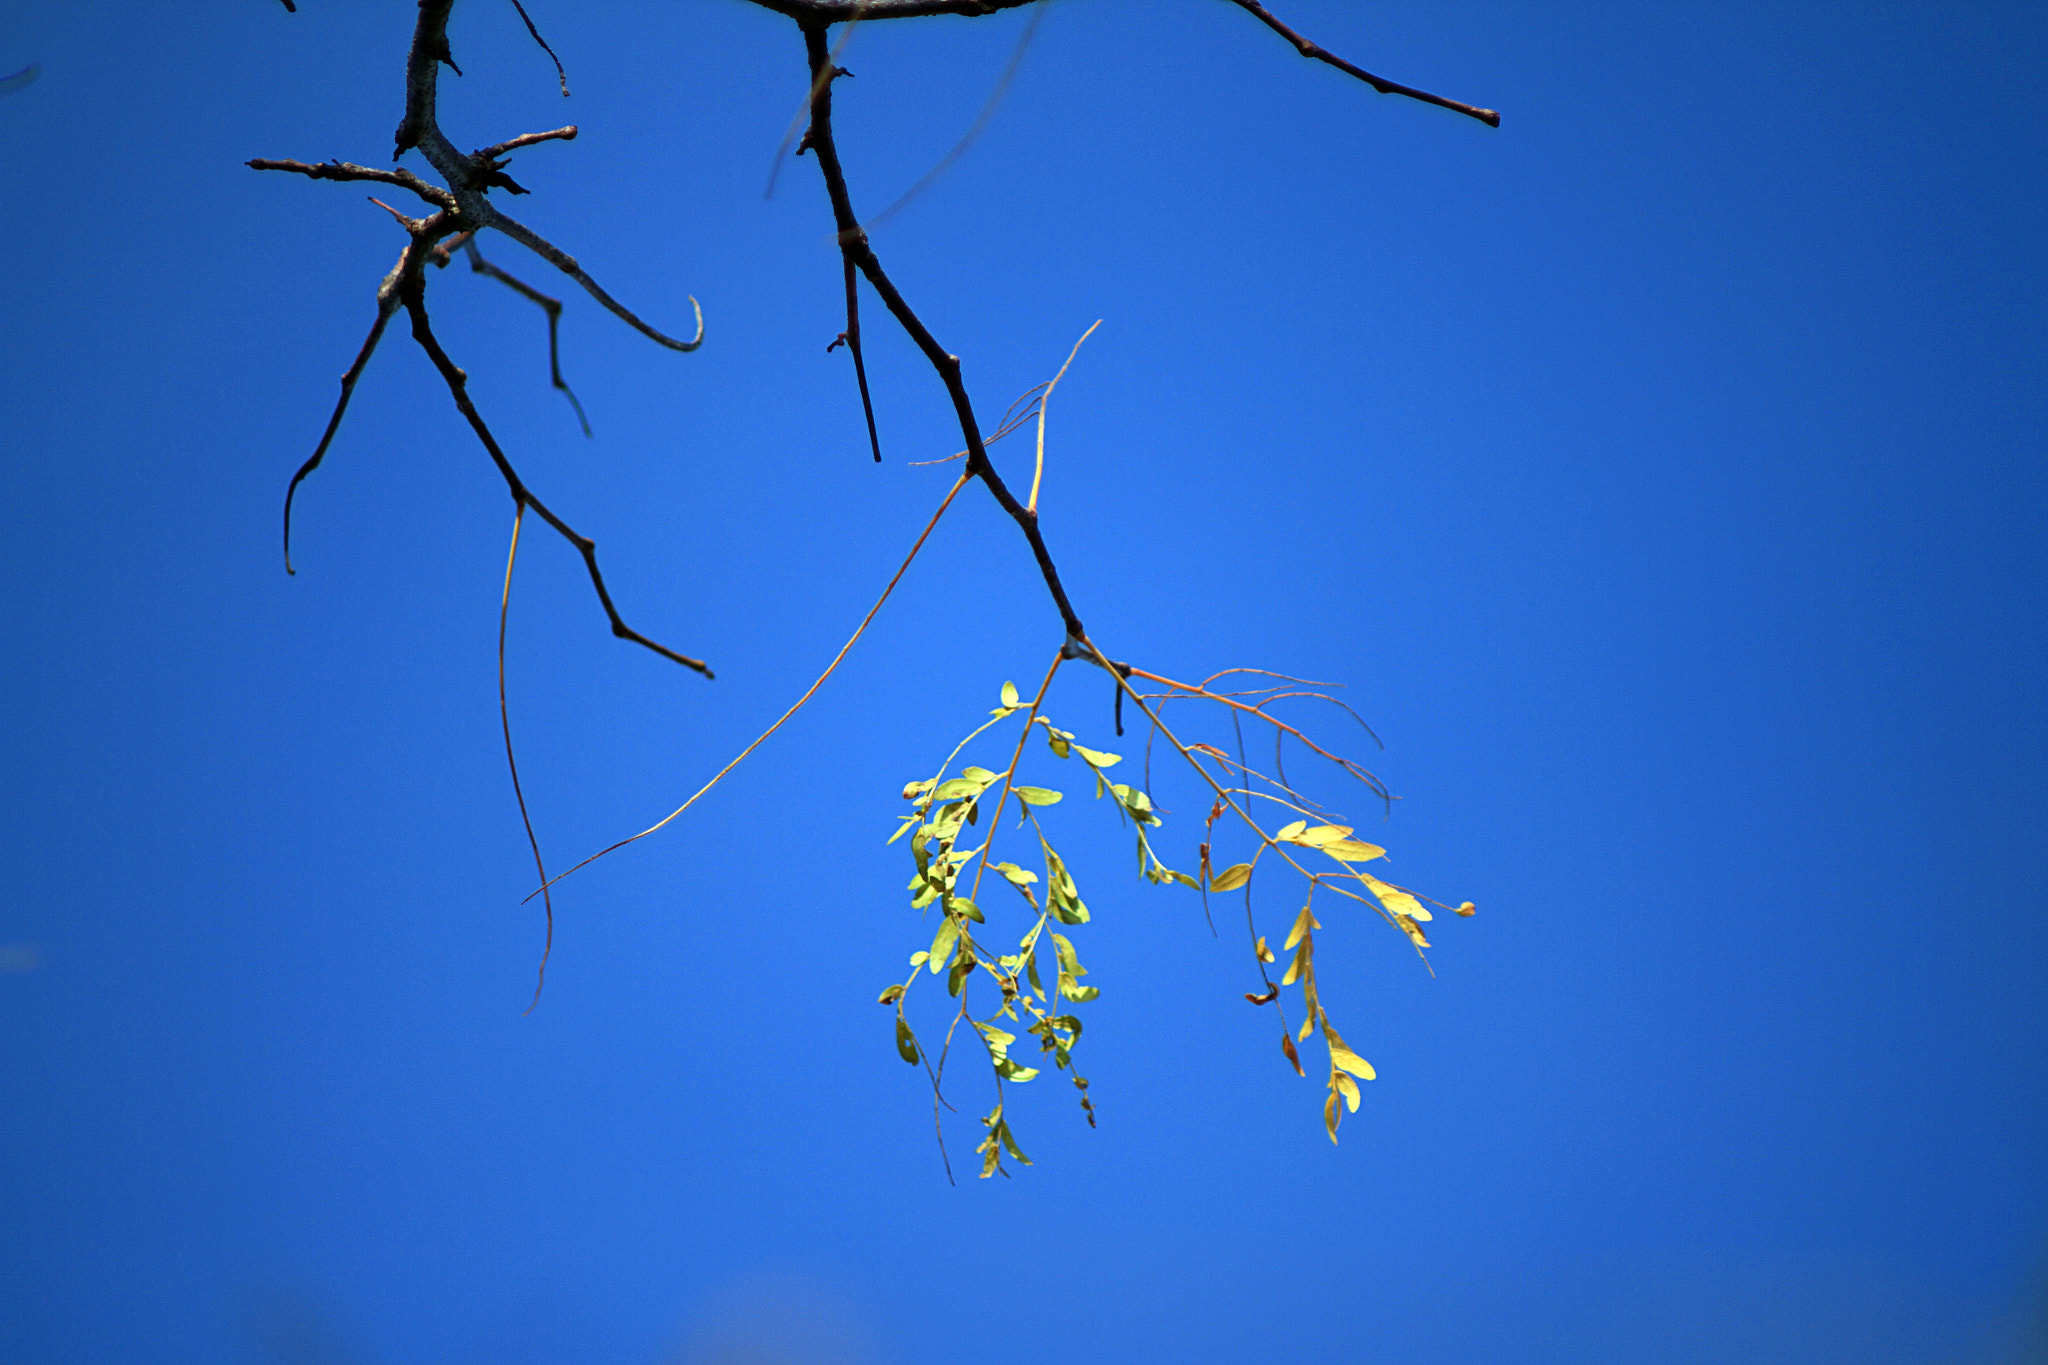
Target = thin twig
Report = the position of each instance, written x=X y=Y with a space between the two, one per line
x=564 y=262
x=387 y=304
x=809 y=692
x=1384 y=86
x=347 y=170
x=562 y=75
x=511 y=762
x=458 y=383
x=492 y=153
x=549 y=305
x=1038 y=471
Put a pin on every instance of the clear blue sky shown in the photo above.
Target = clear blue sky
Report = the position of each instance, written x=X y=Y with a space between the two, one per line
x=1663 y=472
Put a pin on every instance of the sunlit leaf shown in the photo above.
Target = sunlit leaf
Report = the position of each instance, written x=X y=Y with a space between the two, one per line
x=1353 y=850
x=1232 y=877
x=1009 y=694
x=1185 y=880
x=919 y=959
x=1303 y=922
x=1016 y=875
x=964 y=906
x=1010 y=1143
x=1343 y=1058
x=942 y=943
x=1348 y=1088
x=1290 y=831
x=1096 y=758
x=1010 y=1070
x=1036 y=796
x=1320 y=835
x=1069 y=963
x=1330 y=1115
x=1396 y=900
x=1300 y=963
x=1265 y=953
x=1412 y=929
x=1468 y=909
x=1076 y=992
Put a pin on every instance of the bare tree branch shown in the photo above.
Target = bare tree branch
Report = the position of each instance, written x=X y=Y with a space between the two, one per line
x=1384 y=86
x=492 y=153
x=551 y=306
x=387 y=304
x=344 y=170
x=564 y=262
x=458 y=387
x=854 y=244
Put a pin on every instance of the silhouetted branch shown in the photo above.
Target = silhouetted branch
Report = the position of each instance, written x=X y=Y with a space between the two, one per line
x=492 y=153
x=564 y=262
x=560 y=74
x=854 y=244
x=1384 y=86
x=551 y=306
x=387 y=304
x=458 y=388
x=344 y=170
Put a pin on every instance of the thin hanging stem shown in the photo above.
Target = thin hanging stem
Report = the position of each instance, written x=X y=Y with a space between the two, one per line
x=505 y=718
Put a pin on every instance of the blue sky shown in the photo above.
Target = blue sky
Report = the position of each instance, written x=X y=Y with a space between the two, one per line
x=1661 y=472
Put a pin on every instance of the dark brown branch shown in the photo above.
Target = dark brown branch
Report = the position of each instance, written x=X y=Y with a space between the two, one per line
x=343 y=170
x=1384 y=86
x=551 y=306
x=851 y=339
x=492 y=153
x=564 y=262
x=458 y=388
x=854 y=244
x=387 y=304
x=560 y=74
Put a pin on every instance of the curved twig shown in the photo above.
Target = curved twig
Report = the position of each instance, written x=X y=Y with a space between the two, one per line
x=505 y=719
x=564 y=262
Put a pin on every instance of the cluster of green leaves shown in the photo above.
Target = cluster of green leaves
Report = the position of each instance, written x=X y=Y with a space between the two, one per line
x=950 y=835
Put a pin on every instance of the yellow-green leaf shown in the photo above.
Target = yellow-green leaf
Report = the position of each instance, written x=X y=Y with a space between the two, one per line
x=1348 y=1088
x=891 y=995
x=1291 y=831
x=906 y=1041
x=942 y=944
x=1353 y=850
x=1322 y=834
x=1397 y=901
x=1231 y=878
x=1009 y=694
x=1036 y=796
x=1302 y=924
x=1343 y=1058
